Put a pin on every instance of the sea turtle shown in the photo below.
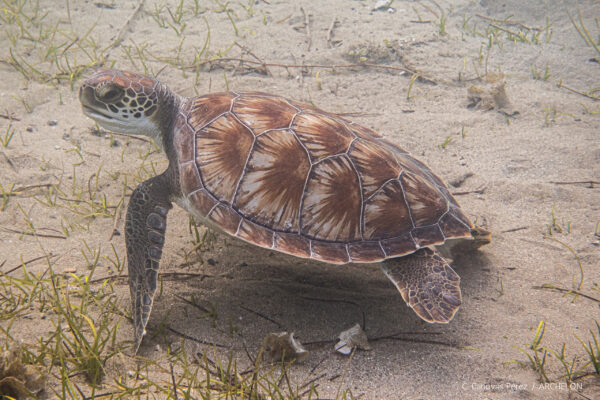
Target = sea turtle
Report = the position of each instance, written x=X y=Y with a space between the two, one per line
x=285 y=176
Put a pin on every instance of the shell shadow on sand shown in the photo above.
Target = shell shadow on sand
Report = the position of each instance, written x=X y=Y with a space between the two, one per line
x=314 y=300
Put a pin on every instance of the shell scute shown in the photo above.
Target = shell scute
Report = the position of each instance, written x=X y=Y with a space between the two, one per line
x=426 y=202
x=271 y=189
x=206 y=108
x=366 y=252
x=375 y=163
x=225 y=218
x=451 y=226
x=256 y=234
x=399 y=246
x=308 y=108
x=386 y=214
x=203 y=201
x=335 y=253
x=426 y=235
x=460 y=216
x=417 y=167
x=263 y=113
x=322 y=135
x=261 y=94
x=332 y=202
x=183 y=140
x=364 y=132
x=190 y=179
x=292 y=243
x=392 y=147
x=222 y=149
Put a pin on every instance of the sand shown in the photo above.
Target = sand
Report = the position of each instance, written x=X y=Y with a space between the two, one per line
x=509 y=122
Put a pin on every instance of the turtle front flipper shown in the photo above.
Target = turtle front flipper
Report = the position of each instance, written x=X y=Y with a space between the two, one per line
x=145 y=235
x=427 y=284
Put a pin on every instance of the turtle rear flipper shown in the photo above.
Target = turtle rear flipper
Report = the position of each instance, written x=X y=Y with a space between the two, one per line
x=427 y=283
x=145 y=235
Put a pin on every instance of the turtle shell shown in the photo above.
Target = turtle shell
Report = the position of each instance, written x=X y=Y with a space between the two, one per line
x=290 y=177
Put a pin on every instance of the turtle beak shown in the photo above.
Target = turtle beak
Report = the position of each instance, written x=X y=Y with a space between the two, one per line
x=88 y=104
x=86 y=95
x=95 y=114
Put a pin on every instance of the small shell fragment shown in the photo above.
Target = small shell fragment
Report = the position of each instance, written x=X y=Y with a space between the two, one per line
x=491 y=96
x=353 y=337
x=282 y=346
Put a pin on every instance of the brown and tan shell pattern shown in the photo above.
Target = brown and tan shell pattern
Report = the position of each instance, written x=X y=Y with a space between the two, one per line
x=289 y=177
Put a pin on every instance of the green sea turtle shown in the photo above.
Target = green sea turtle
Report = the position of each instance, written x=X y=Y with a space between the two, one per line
x=285 y=176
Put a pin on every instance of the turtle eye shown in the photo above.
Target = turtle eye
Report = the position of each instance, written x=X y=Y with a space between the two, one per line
x=109 y=93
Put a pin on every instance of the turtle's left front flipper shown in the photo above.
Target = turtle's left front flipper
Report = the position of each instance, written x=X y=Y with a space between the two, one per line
x=427 y=284
x=145 y=235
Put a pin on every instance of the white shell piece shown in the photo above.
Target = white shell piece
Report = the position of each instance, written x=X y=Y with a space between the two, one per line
x=351 y=338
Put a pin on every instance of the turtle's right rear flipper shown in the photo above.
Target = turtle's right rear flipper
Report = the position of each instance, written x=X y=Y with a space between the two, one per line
x=427 y=284
x=145 y=235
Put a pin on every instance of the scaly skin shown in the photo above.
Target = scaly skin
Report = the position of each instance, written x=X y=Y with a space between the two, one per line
x=427 y=284
x=145 y=235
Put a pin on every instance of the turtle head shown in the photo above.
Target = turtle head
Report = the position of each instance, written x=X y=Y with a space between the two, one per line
x=129 y=103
